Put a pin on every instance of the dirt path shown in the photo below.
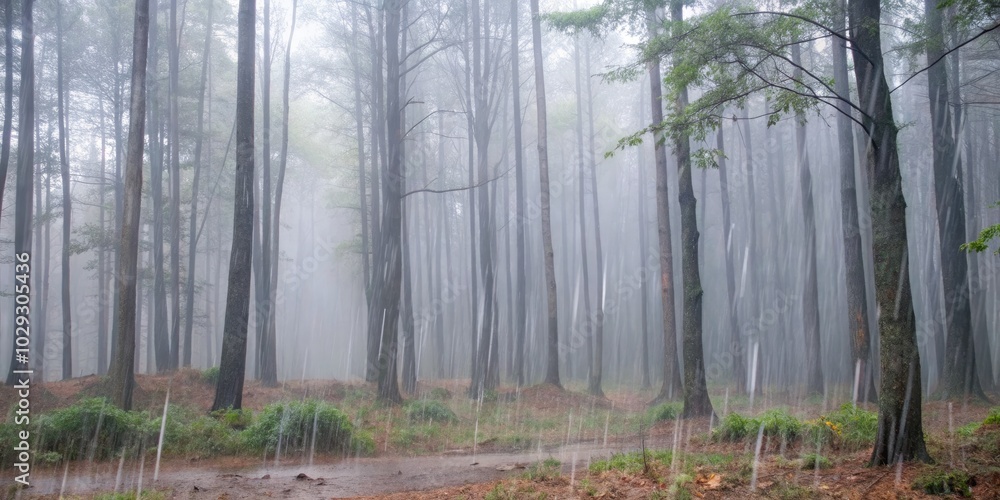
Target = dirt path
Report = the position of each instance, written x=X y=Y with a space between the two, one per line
x=336 y=479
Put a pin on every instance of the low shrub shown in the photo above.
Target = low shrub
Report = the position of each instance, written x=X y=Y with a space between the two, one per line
x=631 y=463
x=297 y=425
x=941 y=483
x=235 y=419
x=849 y=427
x=993 y=418
x=440 y=394
x=210 y=375
x=813 y=460
x=93 y=427
x=423 y=410
x=664 y=411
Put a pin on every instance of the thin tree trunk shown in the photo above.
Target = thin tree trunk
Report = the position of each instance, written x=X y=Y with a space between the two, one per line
x=696 y=402
x=175 y=191
x=643 y=249
x=810 y=300
x=122 y=377
x=193 y=226
x=266 y=348
x=552 y=363
x=229 y=389
x=586 y=324
x=159 y=313
x=102 y=278
x=63 y=119
x=521 y=319
x=671 y=371
x=736 y=347
x=857 y=305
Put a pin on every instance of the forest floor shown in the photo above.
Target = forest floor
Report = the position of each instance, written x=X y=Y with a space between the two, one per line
x=538 y=442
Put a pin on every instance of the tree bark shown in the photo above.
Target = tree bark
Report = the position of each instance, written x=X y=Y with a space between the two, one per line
x=267 y=345
x=520 y=298
x=857 y=305
x=122 y=378
x=63 y=119
x=552 y=363
x=810 y=300
x=736 y=347
x=388 y=278
x=900 y=432
x=229 y=389
x=696 y=402
x=159 y=313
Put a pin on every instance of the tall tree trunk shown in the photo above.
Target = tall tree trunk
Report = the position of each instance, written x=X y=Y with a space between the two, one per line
x=696 y=402
x=960 y=374
x=521 y=308
x=377 y=135
x=25 y=177
x=736 y=344
x=267 y=348
x=122 y=378
x=810 y=300
x=385 y=317
x=473 y=254
x=671 y=370
x=586 y=324
x=229 y=388
x=643 y=247
x=102 y=278
x=359 y=133
x=900 y=430
x=552 y=363
x=486 y=363
x=854 y=269
x=63 y=119
x=160 y=339
x=407 y=319
x=271 y=339
x=175 y=192
x=193 y=226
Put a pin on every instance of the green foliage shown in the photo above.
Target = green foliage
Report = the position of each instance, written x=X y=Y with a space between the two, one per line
x=941 y=482
x=423 y=410
x=299 y=424
x=993 y=418
x=631 y=463
x=850 y=427
x=192 y=435
x=776 y=422
x=210 y=375
x=968 y=430
x=235 y=419
x=814 y=460
x=664 y=411
x=988 y=234
x=94 y=427
x=593 y=19
x=440 y=394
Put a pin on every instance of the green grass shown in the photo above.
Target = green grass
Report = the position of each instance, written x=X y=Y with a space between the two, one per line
x=776 y=422
x=941 y=483
x=849 y=428
x=664 y=411
x=298 y=422
x=543 y=471
x=811 y=461
x=424 y=410
x=630 y=463
x=993 y=418
x=210 y=375
x=93 y=427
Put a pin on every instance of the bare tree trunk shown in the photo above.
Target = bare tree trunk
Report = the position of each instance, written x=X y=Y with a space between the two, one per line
x=385 y=317
x=377 y=166
x=586 y=324
x=102 y=278
x=736 y=347
x=474 y=266
x=161 y=342
x=552 y=364
x=362 y=174
x=696 y=402
x=63 y=119
x=900 y=430
x=175 y=191
x=229 y=389
x=643 y=248
x=409 y=348
x=671 y=371
x=857 y=305
x=122 y=378
x=810 y=300
x=597 y=368
x=521 y=319
x=267 y=348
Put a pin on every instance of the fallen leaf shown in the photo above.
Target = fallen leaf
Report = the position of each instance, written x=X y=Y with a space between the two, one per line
x=709 y=482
